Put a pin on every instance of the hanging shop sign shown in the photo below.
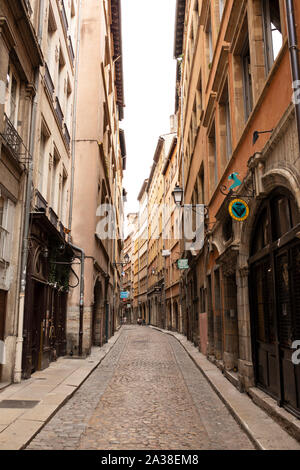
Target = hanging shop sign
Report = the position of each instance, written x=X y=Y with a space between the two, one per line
x=183 y=264
x=124 y=295
x=239 y=210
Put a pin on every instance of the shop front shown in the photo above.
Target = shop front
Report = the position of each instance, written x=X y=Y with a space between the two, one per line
x=47 y=285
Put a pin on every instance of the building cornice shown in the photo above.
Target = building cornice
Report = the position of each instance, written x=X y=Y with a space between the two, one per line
x=116 y=29
x=179 y=27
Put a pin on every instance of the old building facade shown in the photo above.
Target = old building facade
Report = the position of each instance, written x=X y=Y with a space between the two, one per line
x=59 y=293
x=100 y=160
x=239 y=140
x=21 y=57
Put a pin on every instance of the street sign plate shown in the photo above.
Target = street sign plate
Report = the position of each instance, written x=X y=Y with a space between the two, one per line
x=183 y=264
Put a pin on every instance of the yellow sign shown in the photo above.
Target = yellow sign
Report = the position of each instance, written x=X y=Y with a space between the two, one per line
x=239 y=210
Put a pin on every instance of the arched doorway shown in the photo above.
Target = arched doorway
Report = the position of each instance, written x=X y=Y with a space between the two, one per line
x=275 y=298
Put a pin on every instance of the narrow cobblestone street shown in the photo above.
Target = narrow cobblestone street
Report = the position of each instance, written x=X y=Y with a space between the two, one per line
x=146 y=394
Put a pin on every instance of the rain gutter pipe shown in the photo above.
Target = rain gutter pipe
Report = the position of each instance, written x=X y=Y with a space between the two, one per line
x=75 y=248
x=293 y=48
x=81 y=301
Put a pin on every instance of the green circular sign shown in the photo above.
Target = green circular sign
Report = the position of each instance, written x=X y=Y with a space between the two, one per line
x=239 y=210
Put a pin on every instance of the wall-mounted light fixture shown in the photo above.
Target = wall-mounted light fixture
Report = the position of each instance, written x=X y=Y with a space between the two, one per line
x=256 y=135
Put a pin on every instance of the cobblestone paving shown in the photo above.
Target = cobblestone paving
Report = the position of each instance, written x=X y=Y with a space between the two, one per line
x=146 y=394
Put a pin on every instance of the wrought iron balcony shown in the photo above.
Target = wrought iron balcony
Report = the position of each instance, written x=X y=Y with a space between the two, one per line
x=40 y=202
x=59 y=112
x=12 y=139
x=48 y=81
x=61 y=230
x=64 y=17
x=53 y=217
x=67 y=136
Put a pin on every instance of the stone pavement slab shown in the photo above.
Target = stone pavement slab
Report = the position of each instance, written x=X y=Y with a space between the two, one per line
x=265 y=433
x=51 y=388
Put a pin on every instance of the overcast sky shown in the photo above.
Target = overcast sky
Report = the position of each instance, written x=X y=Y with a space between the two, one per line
x=149 y=80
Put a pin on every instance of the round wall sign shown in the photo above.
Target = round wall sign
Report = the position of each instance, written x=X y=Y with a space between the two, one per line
x=239 y=210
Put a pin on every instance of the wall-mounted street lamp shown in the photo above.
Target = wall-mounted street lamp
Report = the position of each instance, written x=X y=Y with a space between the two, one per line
x=178 y=195
x=256 y=135
x=123 y=263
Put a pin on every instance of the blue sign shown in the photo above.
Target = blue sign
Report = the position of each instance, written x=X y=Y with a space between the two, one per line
x=236 y=182
x=239 y=210
x=124 y=295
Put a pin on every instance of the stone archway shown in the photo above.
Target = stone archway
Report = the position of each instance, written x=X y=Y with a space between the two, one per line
x=274 y=284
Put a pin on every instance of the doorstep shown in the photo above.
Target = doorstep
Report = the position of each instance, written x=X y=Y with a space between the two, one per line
x=26 y=407
x=261 y=428
x=286 y=420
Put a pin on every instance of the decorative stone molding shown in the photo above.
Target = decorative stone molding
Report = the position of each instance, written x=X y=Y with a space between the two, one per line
x=7 y=34
x=284 y=176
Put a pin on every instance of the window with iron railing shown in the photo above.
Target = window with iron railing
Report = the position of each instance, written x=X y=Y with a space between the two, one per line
x=7 y=209
x=12 y=138
x=64 y=17
x=58 y=111
x=48 y=81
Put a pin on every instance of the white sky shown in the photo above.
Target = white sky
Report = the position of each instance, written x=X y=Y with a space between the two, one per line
x=149 y=80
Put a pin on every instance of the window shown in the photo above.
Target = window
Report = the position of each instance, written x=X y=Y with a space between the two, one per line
x=51 y=40
x=202 y=300
x=221 y=8
x=213 y=163
x=12 y=95
x=201 y=184
x=42 y=162
x=209 y=42
x=247 y=79
x=272 y=31
x=64 y=198
x=55 y=183
x=7 y=210
x=60 y=80
x=199 y=99
x=225 y=126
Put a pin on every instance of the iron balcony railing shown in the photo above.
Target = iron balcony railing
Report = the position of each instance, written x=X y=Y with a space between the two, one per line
x=12 y=138
x=64 y=17
x=53 y=217
x=67 y=136
x=61 y=230
x=59 y=112
x=48 y=81
x=40 y=202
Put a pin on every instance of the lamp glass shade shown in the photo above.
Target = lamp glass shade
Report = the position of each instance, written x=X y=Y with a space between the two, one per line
x=177 y=195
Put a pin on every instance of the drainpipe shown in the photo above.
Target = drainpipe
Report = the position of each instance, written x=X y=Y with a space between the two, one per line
x=81 y=301
x=293 y=47
x=24 y=256
x=74 y=117
x=75 y=248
